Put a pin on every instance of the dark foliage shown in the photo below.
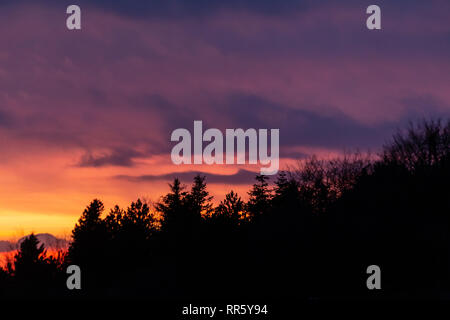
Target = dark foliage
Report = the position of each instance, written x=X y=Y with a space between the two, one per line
x=32 y=274
x=311 y=234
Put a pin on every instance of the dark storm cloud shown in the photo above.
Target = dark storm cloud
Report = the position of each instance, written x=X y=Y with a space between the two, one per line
x=201 y=8
x=186 y=59
x=180 y=8
x=171 y=114
x=300 y=126
x=241 y=177
x=297 y=126
x=118 y=157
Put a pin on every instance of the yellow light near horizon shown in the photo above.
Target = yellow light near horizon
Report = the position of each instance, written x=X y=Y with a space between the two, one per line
x=48 y=194
x=15 y=225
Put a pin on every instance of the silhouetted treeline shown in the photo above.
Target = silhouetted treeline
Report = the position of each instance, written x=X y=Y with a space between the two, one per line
x=311 y=233
x=32 y=273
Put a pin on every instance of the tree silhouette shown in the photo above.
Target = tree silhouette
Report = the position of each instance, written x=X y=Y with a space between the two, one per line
x=138 y=220
x=231 y=209
x=171 y=205
x=286 y=192
x=131 y=231
x=114 y=219
x=33 y=270
x=423 y=145
x=29 y=258
x=89 y=240
x=259 y=197
x=313 y=233
x=199 y=200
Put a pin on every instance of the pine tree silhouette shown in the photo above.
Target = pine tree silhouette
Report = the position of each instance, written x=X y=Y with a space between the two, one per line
x=259 y=197
x=88 y=248
x=344 y=214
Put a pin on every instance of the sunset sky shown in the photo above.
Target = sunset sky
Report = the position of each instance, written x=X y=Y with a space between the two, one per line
x=89 y=113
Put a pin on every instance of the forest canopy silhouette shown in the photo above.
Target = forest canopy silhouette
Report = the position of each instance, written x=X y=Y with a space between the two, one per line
x=311 y=232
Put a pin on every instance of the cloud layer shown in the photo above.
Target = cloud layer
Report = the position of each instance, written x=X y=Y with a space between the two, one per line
x=80 y=109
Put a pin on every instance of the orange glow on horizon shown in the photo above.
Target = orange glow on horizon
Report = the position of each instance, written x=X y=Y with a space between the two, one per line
x=48 y=193
x=8 y=256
